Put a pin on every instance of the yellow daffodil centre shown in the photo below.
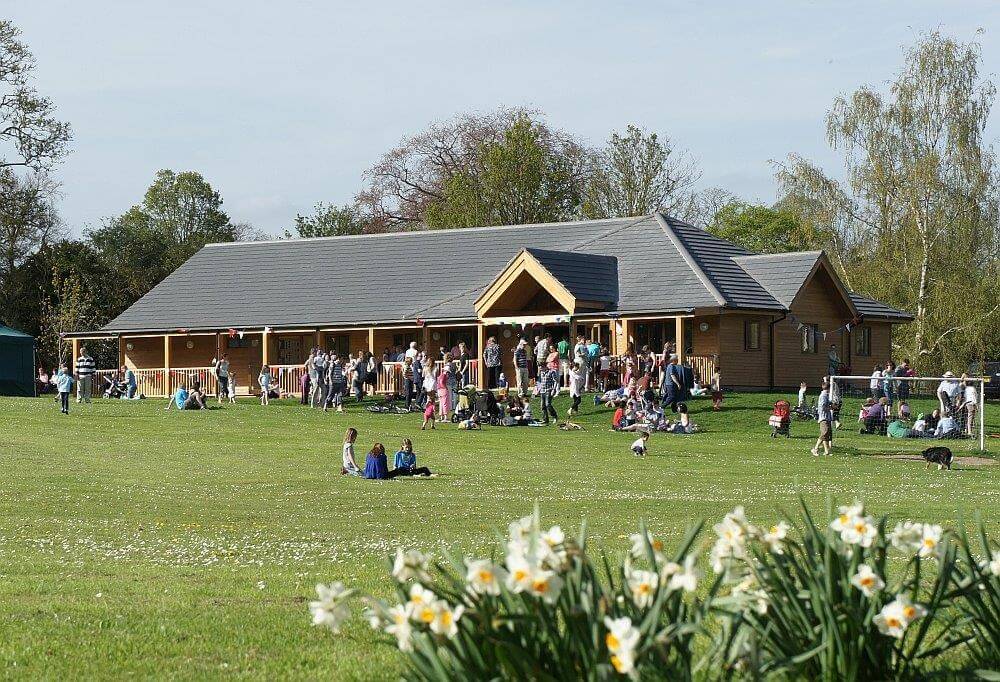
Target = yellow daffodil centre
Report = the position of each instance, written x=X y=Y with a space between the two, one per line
x=612 y=642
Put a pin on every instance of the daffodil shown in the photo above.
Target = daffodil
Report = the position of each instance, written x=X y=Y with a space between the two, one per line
x=846 y=515
x=994 y=564
x=907 y=537
x=897 y=615
x=421 y=596
x=687 y=579
x=642 y=585
x=930 y=538
x=398 y=625
x=621 y=640
x=483 y=576
x=546 y=585
x=410 y=565
x=329 y=610
x=775 y=537
x=861 y=531
x=445 y=620
x=867 y=580
x=639 y=542
x=519 y=573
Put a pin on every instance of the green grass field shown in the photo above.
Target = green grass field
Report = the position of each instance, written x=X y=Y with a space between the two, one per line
x=139 y=542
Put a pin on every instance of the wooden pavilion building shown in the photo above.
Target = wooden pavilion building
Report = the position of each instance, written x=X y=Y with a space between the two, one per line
x=767 y=321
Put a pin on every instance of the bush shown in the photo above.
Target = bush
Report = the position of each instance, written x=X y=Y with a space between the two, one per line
x=798 y=599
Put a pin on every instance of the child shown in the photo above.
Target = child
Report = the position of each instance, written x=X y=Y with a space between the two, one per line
x=639 y=447
x=576 y=379
x=717 y=390
x=406 y=462
x=265 y=385
x=232 y=387
x=429 y=411
x=470 y=424
x=350 y=467
x=64 y=384
x=802 y=395
x=376 y=464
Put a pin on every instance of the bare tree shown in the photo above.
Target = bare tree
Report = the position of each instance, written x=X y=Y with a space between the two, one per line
x=28 y=221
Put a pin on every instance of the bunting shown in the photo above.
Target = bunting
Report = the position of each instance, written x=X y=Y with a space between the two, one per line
x=847 y=326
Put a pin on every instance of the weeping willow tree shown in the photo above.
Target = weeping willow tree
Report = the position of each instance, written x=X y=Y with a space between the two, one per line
x=915 y=223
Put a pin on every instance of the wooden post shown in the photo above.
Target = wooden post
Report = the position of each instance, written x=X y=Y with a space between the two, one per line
x=427 y=340
x=75 y=343
x=121 y=351
x=265 y=342
x=371 y=340
x=166 y=364
x=679 y=327
x=481 y=366
x=316 y=340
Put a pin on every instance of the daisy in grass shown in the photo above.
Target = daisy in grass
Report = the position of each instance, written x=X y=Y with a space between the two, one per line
x=897 y=615
x=867 y=580
x=483 y=576
x=329 y=610
x=621 y=640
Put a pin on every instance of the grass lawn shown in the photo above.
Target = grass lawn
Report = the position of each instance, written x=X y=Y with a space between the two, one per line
x=135 y=541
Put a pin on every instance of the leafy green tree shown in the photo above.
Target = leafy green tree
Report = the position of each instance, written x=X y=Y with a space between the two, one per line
x=638 y=173
x=765 y=229
x=518 y=180
x=916 y=222
x=69 y=308
x=328 y=220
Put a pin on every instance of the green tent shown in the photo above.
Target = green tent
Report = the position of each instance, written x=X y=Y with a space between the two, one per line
x=17 y=362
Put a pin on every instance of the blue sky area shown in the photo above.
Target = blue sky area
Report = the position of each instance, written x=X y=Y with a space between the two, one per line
x=283 y=104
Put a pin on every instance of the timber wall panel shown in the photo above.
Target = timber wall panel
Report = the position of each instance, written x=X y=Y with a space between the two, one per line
x=739 y=367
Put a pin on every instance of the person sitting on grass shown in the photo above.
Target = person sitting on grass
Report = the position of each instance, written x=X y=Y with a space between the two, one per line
x=470 y=424
x=376 y=464
x=640 y=446
x=948 y=427
x=898 y=428
x=429 y=411
x=617 y=418
x=921 y=423
x=185 y=400
x=406 y=461
x=683 y=423
x=350 y=467
x=932 y=420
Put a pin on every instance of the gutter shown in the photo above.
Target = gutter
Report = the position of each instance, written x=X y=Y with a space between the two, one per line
x=770 y=349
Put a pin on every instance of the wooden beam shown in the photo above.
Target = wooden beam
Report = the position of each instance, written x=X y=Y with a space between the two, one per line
x=75 y=343
x=121 y=351
x=218 y=347
x=679 y=335
x=427 y=340
x=316 y=339
x=166 y=363
x=481 y=343
x=371 y=340
x=265 y=341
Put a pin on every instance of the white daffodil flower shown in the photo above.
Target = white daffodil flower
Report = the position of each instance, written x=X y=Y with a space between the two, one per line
x=554 y=537
x=687 y=579
x=410 y=565
x=521 y=529
x=907 y=537
x=994 y=564
x=930 y=538
x=775 y=537
x=483 y=576
x=399 y=617
x=621 y=640
x=642 y=585
x=329 y=610
x=446 y=619
x=846 y=516
x=897 y=615
x=546 y=585
x=861 y=531
x=639 y=541
x=421 y=596
x=519 y=573
x=867 y=580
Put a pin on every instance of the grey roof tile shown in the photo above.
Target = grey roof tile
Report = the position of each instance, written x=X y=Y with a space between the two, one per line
x=782 y=274
x=588 y=276
x=869 y=307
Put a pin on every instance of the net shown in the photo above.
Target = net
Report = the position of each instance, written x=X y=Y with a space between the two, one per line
x=947 y=409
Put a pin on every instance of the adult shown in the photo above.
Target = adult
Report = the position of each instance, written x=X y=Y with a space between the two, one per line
x=969 y=404
x=43 y=382
x=593 y=362
x=673 y=384
x=336 y=383
x=309 y=377
x=464 y=359
x=542 y=352
x=491 y=358
x=904 y=371
x=581 y=356
x=318 y=377
x=521 y=367
x=833 y=360
x=186 y=400
x=548 y=386
x=85 y=368
x=222 y=377
x=875 y=383
x=411 y=352
x=947 y=391
x=407 y=371
x=948 y=427
x=563 y=348
x=131 y=383
x=824 y=415
x=889 y=382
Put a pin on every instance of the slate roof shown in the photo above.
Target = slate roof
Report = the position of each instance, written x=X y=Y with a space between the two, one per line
x=782 y=274
x=646 y=264
x=869 y=307
x=588 y=276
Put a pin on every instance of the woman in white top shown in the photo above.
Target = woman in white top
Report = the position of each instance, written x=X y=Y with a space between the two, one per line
x=429 y=377
x=970 y=403
x=350 y=467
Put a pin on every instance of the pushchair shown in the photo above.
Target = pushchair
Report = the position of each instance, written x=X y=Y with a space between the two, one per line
x=487 y=409
x=780 y=420
x=115 y=388
x=466 y=400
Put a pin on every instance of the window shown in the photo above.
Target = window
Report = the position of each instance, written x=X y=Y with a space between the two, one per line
x=863 y=341
x=339 y=344
x=751 y=335
x=810 y=333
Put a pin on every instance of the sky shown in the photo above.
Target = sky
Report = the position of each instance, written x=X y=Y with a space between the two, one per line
x=281 y=105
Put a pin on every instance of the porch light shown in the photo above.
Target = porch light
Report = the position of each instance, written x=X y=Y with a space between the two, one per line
x=189 y=344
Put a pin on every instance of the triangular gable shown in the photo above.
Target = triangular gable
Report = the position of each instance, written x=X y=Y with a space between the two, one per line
x=786 y=275
x=536 y=278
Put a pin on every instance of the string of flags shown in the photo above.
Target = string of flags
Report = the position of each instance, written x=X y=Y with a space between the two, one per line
x=557 y=319
x=800 y=325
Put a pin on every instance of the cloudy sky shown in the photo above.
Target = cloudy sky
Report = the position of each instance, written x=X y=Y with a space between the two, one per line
x=283 y=104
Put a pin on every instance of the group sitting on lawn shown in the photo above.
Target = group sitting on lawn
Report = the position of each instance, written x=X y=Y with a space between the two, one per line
x=376 y=462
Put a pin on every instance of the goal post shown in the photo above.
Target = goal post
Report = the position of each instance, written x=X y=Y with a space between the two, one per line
x=946 y=394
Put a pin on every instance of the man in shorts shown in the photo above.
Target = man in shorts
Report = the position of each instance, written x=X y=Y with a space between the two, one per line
x=824 y=415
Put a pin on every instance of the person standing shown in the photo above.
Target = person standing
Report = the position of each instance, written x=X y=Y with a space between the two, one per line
x=875 y=385
x=824 y=415
x=407 y=372
x=581 y=356
x=318 y=396
x=131 y=383
x=521 y=367
x=491 y=358
x=672 y=384
x=542 y=352
x=265 y=379
x=903 y=387
x=969 y=397
x=548 y=386
x=64 y=385
x=85 y=368
x=577 y=379
x=222 y=377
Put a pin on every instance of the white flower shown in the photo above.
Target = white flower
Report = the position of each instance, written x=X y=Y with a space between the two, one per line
x=753 y=597
x=329 y=610
x=421 y=596
x=897 y=615
x=929 y=540
x=775 y=537
x=521 y=529
x=642 y=585
x=410 y=565
x=399 y=625
x=867 y=580
x=861 y=531
x=730 y=546
x=639 y=541
x=621 y=640
x=483 y=576
x=846 y=516
x=554 y=537
x=446 y=619
x=519 y=573
x=907 y=537
x=546 y=585
x=260 y=585
x=994 y=564
x=687 y=579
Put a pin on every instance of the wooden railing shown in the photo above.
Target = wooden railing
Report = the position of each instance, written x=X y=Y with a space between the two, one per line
x=703 y=366
x=288 y=377
x=187 y=376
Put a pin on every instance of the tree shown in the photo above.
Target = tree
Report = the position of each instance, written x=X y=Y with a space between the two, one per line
x=639 y=173
x=517 y=180
x=916 y=221
x=328 y=220
x=68 y=309
x=416 y=173
x=765 y=229
x=30 y=135
x=27 y=222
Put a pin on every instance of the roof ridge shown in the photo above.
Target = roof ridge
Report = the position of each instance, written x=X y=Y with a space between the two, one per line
x=630 y=223
x=689 y=259
x=817 y=252
x=426 y=230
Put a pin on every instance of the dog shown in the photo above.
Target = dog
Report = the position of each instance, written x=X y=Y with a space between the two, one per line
x=939 y=455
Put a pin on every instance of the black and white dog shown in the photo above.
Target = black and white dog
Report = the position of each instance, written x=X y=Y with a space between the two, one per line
x=939 y=455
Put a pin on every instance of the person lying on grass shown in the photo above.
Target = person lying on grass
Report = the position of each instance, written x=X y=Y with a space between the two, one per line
x=406 y=461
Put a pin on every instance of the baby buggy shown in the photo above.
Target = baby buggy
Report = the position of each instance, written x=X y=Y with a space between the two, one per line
x=115 y=388
x=780 y=420
x=466 y=399
x=487 y=409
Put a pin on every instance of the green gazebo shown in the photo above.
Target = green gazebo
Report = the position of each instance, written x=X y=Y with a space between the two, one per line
x=17 y=363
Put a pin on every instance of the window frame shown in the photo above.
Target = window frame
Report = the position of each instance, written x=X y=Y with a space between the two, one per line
x=863 y=342
x=751 y=341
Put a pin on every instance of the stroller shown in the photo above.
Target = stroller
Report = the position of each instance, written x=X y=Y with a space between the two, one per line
x=780 y=420
x=487 y=409
x=115 y=388
x=466 y=399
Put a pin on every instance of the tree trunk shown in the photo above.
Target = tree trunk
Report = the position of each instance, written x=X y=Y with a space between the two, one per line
x=922 y=296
